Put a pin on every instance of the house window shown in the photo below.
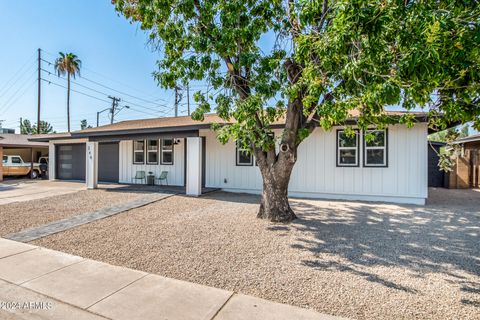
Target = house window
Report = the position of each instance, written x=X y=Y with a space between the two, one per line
x=139 y=152
x=167 y=151
x=152 y=151
x=347 y=149
x=375 y=150
x=244 y=157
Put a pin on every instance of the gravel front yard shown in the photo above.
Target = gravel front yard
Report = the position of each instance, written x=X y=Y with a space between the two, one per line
x=17 y=216
x=359 y=260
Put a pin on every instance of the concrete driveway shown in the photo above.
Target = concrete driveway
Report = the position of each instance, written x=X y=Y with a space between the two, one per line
x=25 y=190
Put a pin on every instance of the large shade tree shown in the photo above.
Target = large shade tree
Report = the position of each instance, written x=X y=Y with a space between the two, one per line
x=68 y=64
x=309 y=63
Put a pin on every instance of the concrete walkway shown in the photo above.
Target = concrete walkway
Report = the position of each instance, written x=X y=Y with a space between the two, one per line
x=38 y=283
x=26 y=189
x=31 y=234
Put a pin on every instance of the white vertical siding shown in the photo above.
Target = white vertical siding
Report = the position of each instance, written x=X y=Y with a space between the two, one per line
x=316 y=175
x=176 y=172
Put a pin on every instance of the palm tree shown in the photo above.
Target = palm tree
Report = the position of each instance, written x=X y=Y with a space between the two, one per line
x=69 y=64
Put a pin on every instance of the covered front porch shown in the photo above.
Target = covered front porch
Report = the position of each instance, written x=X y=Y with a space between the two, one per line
x=136 y=161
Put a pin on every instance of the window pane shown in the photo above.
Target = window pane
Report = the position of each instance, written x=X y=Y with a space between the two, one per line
x=375 y=156
x=244 y=157
x=138 y=145
x=152 y=157
x=5 y=159
x=348 y=156
x=379 y=139
x=167 y=157
x=152 y=145
x=138 y=157
x=16 y=160
x=347 y=141
x=167 y=144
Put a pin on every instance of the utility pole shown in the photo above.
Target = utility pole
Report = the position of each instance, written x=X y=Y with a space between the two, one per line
x=178 y=97
x=115 y=102
x=188 y=99
x=39 y=129
x=98 y=114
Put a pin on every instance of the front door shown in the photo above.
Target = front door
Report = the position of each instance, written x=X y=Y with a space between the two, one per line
x=108 y=162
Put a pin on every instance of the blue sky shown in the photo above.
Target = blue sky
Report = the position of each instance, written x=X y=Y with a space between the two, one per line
x=113 y=52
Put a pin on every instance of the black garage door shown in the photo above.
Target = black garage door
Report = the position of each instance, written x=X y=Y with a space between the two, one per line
x=70 y=161
x=108 y=162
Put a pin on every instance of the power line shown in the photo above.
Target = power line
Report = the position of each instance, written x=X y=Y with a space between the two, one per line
x=29 y=60
x=7 y=107
x=12 y=97
x=111 y=79
x=116 y=90
x=83 y=93
x=93 y=97
x=20 y=77
x=105 y=94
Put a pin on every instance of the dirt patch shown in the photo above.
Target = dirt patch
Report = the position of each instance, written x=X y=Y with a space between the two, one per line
x=18 y=216
x=359 y=260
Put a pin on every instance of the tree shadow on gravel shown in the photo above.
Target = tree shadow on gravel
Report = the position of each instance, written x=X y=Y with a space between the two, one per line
x=351 y=237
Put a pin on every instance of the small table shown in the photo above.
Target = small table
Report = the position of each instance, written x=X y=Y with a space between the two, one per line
x=151 y=180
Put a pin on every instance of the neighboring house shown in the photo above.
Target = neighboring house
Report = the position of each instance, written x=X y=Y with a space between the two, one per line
x=466 y=172
x=20 y=145
x=6 y=130
x=330 y=165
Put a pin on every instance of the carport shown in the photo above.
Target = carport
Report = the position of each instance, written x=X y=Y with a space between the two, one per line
x=19 y=144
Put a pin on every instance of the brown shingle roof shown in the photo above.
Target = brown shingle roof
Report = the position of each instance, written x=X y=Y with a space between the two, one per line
x=186 y=121
x=167 y=122
x=170 y=123
x=19 y=140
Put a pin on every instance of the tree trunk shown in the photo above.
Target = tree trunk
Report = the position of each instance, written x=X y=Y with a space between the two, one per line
x=68 y=103
x=274 y=205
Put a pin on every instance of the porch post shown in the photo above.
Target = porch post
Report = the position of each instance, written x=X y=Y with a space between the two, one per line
x=51 y=161
x=91 y=175
x=194 y=166
x=31 y=162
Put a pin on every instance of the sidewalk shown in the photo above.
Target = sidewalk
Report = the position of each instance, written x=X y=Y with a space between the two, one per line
x=38 y=283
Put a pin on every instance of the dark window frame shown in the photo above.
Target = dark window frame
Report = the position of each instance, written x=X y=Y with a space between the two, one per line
x=138 y=151
x=385 y=148
x=237 y=149
x=357 y=148
x=151 y=151
x=162 y=162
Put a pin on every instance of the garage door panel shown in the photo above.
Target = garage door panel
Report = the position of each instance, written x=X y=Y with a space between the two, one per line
x=71 y=162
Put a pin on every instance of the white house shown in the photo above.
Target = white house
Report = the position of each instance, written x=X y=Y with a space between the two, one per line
x=392 y=168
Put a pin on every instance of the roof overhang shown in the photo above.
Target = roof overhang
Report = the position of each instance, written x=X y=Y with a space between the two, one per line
x=473 y=138
x=178 y=131
x=33 y=145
